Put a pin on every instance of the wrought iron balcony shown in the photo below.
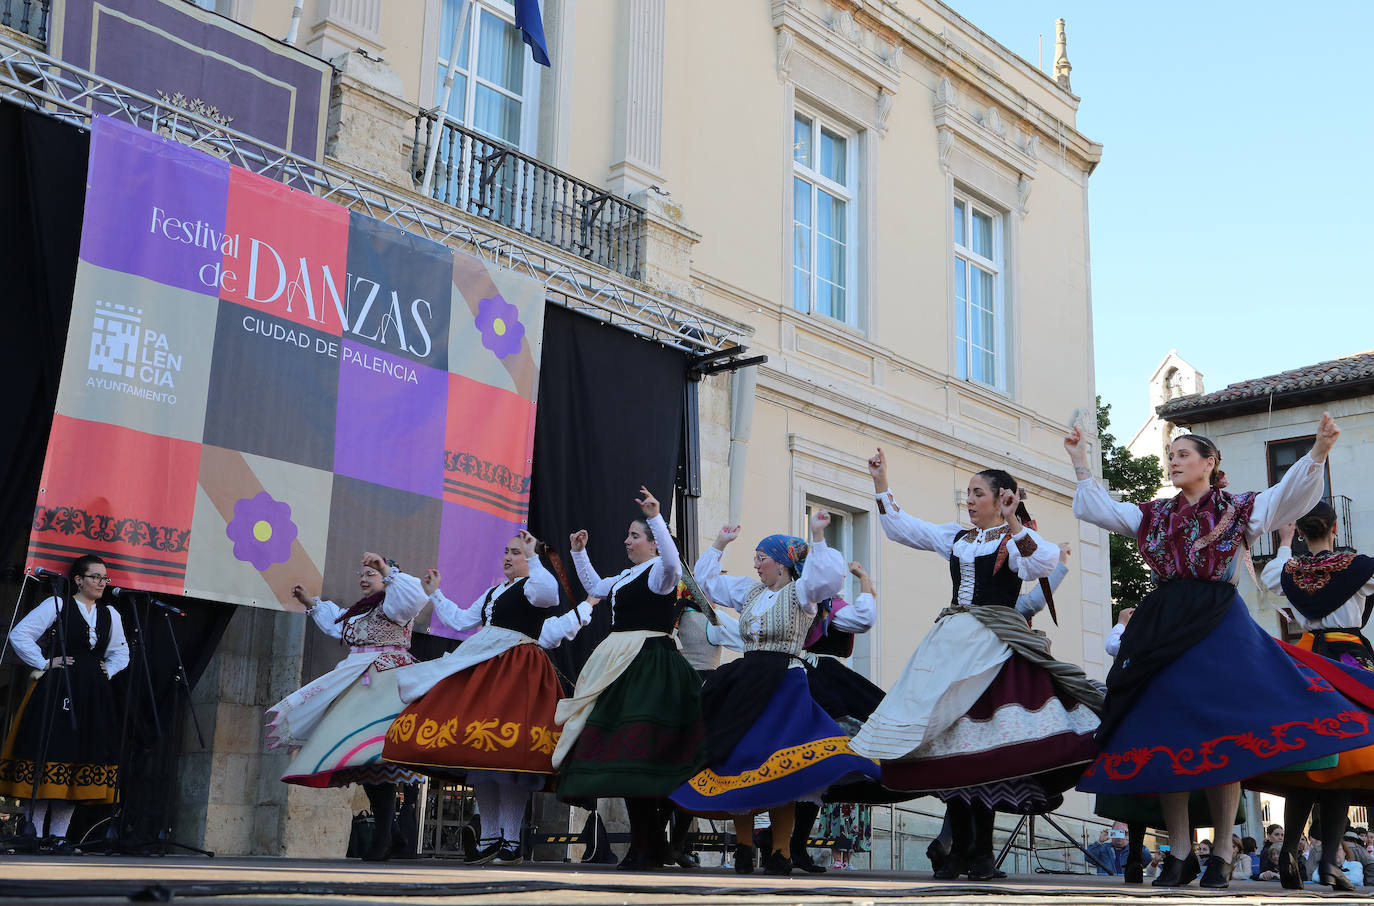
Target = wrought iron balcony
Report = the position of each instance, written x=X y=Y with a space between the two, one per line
x=1267 y=545
x=490 y=179
x=28 y=16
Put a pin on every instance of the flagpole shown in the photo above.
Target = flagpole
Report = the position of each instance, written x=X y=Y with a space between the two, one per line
x=295 y=22
x=442 y=109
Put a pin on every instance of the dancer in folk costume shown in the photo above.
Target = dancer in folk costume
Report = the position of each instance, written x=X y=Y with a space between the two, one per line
x=1140 y=813
x=982 y=716
x=485 y=712
x=1194 y=628
x=63 y=746
x=1332 y=594
x=770 y=743
x=340 y=720
x=632 y=727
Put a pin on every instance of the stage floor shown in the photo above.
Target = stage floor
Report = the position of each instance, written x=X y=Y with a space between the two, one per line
x=212 y=882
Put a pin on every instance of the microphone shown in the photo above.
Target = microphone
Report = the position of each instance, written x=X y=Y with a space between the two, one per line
x=42 y=573
x=168 y=607
x=130 y=592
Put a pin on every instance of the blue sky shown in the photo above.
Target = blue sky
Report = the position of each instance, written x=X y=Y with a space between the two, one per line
x=1231 y=209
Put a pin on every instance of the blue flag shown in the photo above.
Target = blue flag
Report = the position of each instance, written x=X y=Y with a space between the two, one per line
x=531 y=26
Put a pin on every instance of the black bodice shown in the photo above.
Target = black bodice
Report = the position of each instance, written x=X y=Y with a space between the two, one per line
x=636 y=606
x=512 y=610
x=999 y=587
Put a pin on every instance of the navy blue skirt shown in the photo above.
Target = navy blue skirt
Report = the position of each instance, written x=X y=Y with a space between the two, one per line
x=793 y=750
x=1237 y=704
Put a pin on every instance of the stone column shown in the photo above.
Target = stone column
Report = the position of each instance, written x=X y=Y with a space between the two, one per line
x=345 y=26
x=371 y=127
x=639 y=99
x=230 y=798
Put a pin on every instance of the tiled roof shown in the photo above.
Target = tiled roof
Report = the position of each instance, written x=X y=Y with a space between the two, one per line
x=1321 y=379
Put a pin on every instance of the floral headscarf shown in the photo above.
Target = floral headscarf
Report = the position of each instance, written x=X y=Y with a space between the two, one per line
x=788 y=550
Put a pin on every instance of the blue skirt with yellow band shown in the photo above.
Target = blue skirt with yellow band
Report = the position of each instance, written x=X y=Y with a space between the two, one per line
x=792 y=749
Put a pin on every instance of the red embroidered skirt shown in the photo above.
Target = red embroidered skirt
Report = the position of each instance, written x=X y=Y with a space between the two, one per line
x=497 y=715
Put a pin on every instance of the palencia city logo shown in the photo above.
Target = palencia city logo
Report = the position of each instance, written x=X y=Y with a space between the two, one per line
x=363 y=308
x=137 y=359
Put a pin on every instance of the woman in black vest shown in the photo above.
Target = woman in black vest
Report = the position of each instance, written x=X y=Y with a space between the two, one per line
x=486 y=710
x=1332 y=594
x=65 y=731
x=633 y=727
x=982 y=716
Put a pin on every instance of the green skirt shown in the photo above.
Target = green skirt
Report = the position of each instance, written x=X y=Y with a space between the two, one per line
x=644 y=736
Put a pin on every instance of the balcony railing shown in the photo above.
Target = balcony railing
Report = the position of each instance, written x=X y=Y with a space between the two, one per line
x=1268 y=544
x=28 y=16
x=490 y=179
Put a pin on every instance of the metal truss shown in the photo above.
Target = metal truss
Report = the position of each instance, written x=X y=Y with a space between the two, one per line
x=37 y=81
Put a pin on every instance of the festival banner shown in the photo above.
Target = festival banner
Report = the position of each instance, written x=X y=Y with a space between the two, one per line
x=259 y=385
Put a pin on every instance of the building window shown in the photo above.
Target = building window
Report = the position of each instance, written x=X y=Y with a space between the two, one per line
x=824 y=217
x=979 y=319
x=1282 y=454
x=493 y=99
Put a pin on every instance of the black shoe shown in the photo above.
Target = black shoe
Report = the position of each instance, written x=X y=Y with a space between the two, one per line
x=380 y=850
x=637 y=861
x=686 y=860
x=1290 y=872
x=1218 y=874
x=775 y=863
x=801 y=859
x=1134 y=872
x=484 y=854
x=1336 y=880
x=951 y=868
x=1178 y=872
x=744 y=859
x=984 y=868
x=937 y=855
x=510 y=854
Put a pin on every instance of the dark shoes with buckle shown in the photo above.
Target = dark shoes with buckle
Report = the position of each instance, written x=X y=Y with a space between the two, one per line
x=1178 y=872
x=1217 y=875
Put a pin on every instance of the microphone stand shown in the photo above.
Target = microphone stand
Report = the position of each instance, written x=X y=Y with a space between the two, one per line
x=57 y=585
x=114 y=839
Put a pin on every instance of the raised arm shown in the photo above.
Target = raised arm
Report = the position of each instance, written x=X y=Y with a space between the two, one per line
x=459 y=619
x=862 y=612
x=592 y=583
x=902 y=527
x=1091 y=502
x=405 y=596
x=667 y=572
x=1299 y=489
x=726 y=590
x=325 y=613
x=541 y=588
x=822 y=574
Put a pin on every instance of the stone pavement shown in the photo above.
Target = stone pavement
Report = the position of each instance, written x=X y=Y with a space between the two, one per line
x=211 y=882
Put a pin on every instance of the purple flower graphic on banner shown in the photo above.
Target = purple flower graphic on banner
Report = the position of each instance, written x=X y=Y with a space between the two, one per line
x=262 y=531
x=499 y=322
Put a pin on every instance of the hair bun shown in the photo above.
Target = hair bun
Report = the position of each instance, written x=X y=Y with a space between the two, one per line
x=1220 y=481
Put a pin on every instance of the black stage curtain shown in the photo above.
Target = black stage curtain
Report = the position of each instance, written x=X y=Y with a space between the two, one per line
x=609 y=420
x=42 y=197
